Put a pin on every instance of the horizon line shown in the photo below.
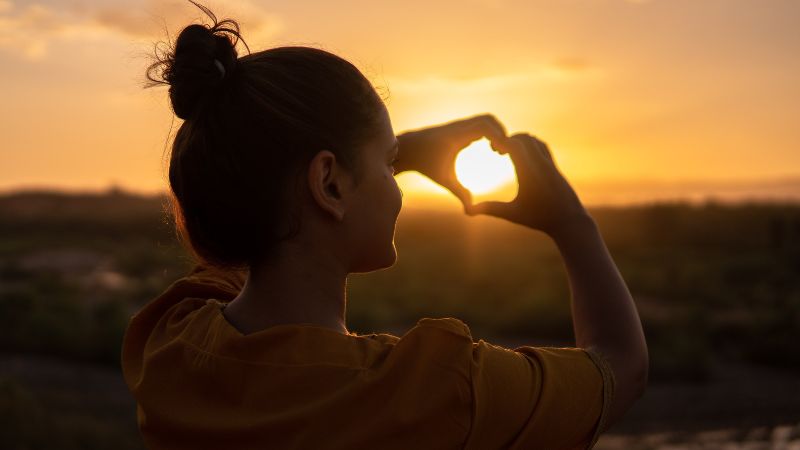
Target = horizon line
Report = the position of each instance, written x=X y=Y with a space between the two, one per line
x=615 y=198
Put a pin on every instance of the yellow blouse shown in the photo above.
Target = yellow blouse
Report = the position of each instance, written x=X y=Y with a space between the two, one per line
x=200 y=384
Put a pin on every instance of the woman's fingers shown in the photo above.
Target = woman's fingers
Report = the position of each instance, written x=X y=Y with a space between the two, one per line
x=474 y=128
x=536 y=151
x=493 y=129
x=462 y=193
x=525 y=156
x=544 y=198
x=546 y=150
x=541 y=146
x=491 y=208
x=434 y=149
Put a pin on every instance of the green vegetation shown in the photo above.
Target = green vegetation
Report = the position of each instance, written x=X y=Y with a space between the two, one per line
x=711 y=281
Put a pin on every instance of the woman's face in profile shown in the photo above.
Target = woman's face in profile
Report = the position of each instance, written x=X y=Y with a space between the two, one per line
x=377 y=203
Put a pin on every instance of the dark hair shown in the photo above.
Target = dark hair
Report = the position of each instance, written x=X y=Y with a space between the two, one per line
x=251 y=126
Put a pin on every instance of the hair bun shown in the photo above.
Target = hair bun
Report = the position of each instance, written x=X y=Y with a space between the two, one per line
x=203 y=59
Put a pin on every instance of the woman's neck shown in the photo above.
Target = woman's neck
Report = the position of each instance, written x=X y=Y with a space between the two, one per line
x=301 y=288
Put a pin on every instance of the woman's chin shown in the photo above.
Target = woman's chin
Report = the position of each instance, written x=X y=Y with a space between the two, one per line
x=392 y=257
x=379 y=262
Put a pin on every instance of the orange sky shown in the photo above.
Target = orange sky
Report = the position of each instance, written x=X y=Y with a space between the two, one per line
x=636 y=95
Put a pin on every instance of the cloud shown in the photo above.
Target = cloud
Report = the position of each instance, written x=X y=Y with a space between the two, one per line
x=412 y=86
x=491 y=3
x=149 y=19
x=570 y=68
x=29 y=30
x=571 y=64
x=561 y=69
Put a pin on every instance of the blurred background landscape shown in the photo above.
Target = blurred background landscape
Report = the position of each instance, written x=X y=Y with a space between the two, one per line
x=675 y=121
x=716 y=285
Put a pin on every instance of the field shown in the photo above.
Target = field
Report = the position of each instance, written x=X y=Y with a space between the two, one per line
x=717 y=286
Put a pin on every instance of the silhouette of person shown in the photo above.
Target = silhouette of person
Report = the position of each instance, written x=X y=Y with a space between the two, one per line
x=282 y=181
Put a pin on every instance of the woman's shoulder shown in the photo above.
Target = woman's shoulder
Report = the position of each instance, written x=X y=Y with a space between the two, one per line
x=447 y=324
x=446 y=343
x=425 y=325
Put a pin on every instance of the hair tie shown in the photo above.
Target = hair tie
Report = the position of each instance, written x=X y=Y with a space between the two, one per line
x=220 y=67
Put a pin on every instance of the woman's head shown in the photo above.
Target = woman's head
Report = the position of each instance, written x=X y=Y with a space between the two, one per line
x=276 y=147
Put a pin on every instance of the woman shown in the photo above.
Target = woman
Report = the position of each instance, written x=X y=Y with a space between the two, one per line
x=282 y=180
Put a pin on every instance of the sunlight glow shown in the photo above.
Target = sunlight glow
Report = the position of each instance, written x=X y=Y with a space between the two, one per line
x=482 y=170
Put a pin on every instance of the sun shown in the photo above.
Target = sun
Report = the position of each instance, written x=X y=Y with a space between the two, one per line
x=482 y=170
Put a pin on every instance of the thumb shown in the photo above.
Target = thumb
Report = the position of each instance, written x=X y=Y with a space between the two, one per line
x=463 y=194
x=497 y=209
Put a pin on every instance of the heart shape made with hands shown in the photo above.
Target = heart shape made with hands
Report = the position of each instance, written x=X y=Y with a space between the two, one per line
x=487 y=174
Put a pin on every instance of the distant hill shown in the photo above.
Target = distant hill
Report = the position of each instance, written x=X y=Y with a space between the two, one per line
x=784 y=189
x=592 y=193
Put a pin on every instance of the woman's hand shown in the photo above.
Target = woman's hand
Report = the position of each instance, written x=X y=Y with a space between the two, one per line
x=545 y=200
x=432 y=151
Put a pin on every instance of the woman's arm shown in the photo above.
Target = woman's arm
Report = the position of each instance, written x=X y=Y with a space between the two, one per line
x=603 y=312
x=604 y=315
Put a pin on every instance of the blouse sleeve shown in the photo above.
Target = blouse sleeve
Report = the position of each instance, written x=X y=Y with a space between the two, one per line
x=538 y=397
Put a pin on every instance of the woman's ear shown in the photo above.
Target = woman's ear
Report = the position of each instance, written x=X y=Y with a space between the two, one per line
x=328 y=182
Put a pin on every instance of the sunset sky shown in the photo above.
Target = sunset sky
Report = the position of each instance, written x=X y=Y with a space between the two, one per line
x=640 y=96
